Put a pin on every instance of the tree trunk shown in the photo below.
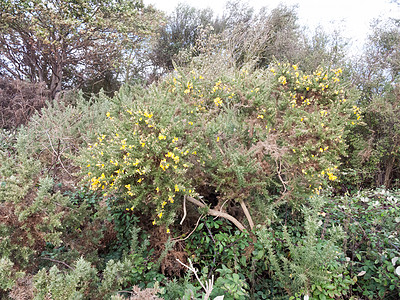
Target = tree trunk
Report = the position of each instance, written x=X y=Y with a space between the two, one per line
x=388 y=172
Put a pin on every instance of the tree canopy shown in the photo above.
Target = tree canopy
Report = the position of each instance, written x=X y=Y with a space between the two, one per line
x=66 y=43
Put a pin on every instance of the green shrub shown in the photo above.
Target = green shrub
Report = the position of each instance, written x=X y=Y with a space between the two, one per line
x=58 y=285
x=374 y=145
x=236 y=134
x=8 y=276
x=371 y=221
x=33 y=210
x=309 y=261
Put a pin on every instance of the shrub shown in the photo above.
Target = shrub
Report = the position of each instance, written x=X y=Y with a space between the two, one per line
x=32 y=210
x=371 y=221
x=374 y=144
x=236 y=134
x=19 y=100
x=309 y=261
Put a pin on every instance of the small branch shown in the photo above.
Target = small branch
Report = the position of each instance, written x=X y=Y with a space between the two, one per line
x=197 y=224
x=279 y=169
x=191 y=268
x=209 y=284
x=57 y=155
x=247 y=214
x=217 y=213
x=57 y=261
x=184 y=210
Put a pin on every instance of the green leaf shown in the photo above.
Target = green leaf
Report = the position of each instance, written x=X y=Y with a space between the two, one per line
x=330 y=287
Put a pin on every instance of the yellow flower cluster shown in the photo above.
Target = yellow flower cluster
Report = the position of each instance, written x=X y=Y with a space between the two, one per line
x=330 y=173
x=218 y=101
x=357 y=113
x=282 y=80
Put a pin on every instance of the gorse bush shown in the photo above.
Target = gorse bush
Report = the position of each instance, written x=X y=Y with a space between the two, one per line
x=32 y=210
x=375 y=143
x=227 y=142
x=308 y=264
x=237 y=135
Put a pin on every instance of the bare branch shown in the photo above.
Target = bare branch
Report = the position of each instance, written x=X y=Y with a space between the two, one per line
x=217 y=213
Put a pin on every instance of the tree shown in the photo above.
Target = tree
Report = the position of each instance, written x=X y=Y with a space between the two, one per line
x=379 y=67
x=179 y=33
x=375 y=146
x=265 y=37
x=67 y=43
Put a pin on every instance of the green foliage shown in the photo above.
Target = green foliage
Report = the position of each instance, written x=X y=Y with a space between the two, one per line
x=56 y=133
x=239 y=133
x=230 y=284
x=83 y=281
x=308 y=263
x=375 y=145
x=83 y=185
x=32 y=208
x=59 y=285
x=371 y=221
x=226 y=245
x=179 y=33
x=8 y=274
x=45 y=45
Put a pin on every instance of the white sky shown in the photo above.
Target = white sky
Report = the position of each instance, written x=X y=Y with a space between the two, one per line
x=352 y=16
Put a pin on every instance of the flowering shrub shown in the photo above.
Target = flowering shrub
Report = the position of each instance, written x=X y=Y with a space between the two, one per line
x=238 y=134
x=142 y=159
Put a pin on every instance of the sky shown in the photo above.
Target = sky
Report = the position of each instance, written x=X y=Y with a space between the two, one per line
x=352 y=17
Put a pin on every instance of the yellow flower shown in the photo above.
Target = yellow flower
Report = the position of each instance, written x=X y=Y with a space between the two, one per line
x=217 y=101
x=332 y=177
x=260 y=117
x=282 y=80
x=176 y=188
